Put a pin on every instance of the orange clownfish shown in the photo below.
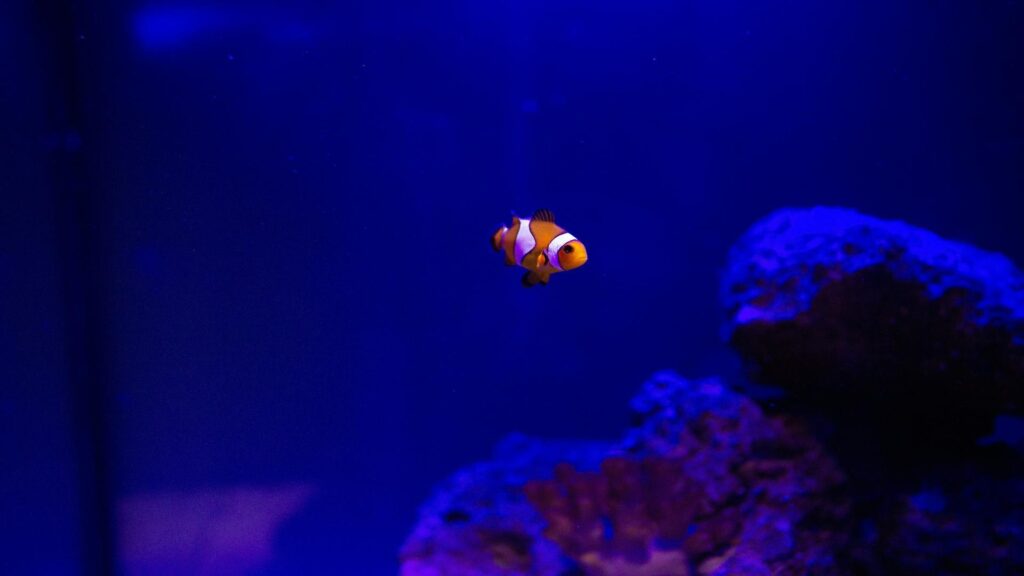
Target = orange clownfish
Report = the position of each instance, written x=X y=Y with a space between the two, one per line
x=540 y=246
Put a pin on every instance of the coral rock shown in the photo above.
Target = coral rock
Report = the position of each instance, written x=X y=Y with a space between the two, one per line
x=879 y=321
x=901 y=348
x=480 y=524
x=704 y=483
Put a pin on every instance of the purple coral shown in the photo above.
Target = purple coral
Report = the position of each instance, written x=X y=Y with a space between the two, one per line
x=479 y=524
x=704 y=483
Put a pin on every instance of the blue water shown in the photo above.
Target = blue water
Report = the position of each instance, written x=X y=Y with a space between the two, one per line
x=245 y=244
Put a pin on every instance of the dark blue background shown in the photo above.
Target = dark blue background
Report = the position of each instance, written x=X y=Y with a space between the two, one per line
x=285 y=207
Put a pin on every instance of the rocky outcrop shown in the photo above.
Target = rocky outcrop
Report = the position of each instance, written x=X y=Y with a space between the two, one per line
x=917 y=337
x=901 y=348
x=704 y=484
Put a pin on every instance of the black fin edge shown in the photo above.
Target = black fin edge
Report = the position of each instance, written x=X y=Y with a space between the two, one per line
x=544 y=215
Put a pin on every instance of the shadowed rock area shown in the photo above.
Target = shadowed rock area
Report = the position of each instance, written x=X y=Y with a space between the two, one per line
x=879 y=321
x=901 y=348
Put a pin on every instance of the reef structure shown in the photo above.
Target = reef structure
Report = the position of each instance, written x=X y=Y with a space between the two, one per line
x=879 y=321
x=479 y=523
x=705 y=483
x=901 y=348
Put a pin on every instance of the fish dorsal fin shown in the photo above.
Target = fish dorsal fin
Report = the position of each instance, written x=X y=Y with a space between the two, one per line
x=544 y=215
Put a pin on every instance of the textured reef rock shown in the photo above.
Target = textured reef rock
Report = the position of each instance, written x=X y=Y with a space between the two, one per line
x=879 y=320
x=479 y=522
x=705 y=483
x=901 y=348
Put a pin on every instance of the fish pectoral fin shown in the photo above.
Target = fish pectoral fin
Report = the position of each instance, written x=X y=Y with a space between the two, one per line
x=532 y=261
x=542 y=260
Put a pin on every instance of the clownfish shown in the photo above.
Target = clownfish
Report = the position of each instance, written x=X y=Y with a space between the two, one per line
x=540 y=246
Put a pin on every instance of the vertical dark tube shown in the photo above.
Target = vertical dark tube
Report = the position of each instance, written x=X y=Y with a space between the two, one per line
x=79 y=246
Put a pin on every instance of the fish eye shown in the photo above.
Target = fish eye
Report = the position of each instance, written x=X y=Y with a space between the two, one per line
x=567 y=249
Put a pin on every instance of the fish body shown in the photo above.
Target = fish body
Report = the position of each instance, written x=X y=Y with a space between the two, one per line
x=540 y=246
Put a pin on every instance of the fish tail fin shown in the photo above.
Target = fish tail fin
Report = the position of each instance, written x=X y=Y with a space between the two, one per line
x=497 y=238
